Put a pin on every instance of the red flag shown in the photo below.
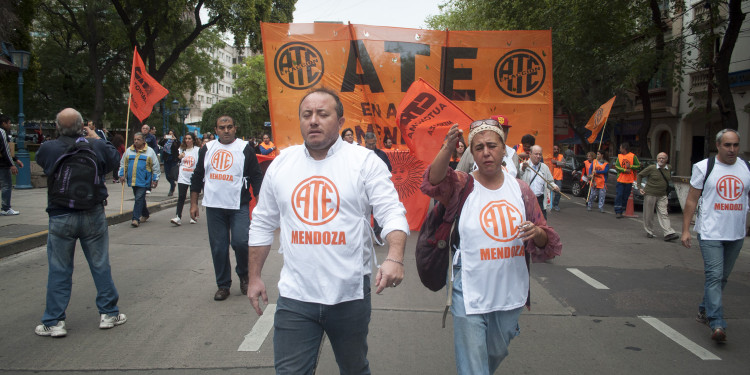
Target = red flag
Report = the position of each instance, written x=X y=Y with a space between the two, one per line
x=599 y=118
x=145 y=91
x=424 y=118
x=407 y=176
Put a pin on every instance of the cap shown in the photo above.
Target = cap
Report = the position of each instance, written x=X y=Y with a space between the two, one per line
x=504 y=122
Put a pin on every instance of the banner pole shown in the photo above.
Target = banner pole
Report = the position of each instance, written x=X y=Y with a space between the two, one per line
x=127 y=127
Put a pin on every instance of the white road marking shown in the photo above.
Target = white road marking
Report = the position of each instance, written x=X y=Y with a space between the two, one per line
x=588 y=279
x=258 y=334
x=680 y=339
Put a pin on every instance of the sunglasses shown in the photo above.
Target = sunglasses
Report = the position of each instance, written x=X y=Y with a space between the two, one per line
x=490 y=122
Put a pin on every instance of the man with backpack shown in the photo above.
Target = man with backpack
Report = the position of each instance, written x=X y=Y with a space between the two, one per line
x=76 y=168
x=722 y=184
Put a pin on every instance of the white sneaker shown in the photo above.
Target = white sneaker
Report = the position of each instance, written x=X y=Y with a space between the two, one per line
x=10 y=212
x=193 y=221
x=176 y=221
x=148 y=191
x=107 y=321
x=54 y=331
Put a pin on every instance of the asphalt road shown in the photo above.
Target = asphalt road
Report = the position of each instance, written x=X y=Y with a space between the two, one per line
x=642 y=323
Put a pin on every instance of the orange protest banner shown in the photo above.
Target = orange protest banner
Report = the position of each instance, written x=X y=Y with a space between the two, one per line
x=424 y=118
x=145 y=91
x=407 y=176
x=484 y=73
x=599 y=118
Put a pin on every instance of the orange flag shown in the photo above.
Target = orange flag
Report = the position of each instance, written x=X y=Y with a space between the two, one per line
x=407 y=176
x=145 y=91
x=424 y=118
x=599 y=118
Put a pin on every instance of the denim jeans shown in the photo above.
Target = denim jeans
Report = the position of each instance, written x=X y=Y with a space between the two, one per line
x=7 y=187
x=139 y=207
x=622 y=193
x=90 y=227
x=556 y=196
x=223 y=223
x=299 y=327
x=597 y=194
x=540 y=200
x=480 y=340
x=718 y=261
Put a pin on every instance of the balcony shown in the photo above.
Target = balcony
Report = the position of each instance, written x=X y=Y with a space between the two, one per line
x=699 y=83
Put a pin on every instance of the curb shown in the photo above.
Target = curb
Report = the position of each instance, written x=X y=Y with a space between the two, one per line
x=30 y=241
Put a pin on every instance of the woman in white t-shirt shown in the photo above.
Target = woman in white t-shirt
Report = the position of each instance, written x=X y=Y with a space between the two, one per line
x=500 y=228
x=188 y=157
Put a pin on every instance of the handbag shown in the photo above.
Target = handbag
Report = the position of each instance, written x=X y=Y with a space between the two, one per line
x=435 y=241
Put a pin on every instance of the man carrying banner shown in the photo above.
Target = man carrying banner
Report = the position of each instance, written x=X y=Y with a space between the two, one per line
x=321 y=194
x=627 y=165
x=535 y=173
x=224 y=169
x=139 y=167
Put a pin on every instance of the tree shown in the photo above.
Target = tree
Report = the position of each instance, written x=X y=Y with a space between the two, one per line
x=732 y=30
x=235 y=108
x=251 y=83
x=15 y=30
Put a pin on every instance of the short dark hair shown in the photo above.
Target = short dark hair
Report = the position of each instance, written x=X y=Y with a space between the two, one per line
x=626 y=146
x=528 y=138
x=346 y=130
x=4 y=119
x=339 y=107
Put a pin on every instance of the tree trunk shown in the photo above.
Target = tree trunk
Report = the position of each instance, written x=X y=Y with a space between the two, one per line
x=646 y=123
x=721 y=67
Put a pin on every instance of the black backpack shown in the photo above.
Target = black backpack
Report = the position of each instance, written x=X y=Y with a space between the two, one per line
x=74 y=182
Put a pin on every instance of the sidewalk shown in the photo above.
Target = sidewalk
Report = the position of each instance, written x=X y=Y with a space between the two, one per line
x=29 y=229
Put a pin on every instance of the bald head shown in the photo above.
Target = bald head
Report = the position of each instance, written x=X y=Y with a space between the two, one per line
x=662 y=159
x=69 y=122
x=536 y=154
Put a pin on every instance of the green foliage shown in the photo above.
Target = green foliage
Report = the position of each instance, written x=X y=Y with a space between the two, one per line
x=233 y=107
x=253 y=93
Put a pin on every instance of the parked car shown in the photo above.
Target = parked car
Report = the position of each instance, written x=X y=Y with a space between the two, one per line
x=572 y=175
x=673 y=202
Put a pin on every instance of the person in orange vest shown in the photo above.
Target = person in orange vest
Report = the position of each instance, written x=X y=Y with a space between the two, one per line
x=627 y=165
x=523 y=149
x=598 y=169
x=557 y=162
x=586 y=166
x=267 y=147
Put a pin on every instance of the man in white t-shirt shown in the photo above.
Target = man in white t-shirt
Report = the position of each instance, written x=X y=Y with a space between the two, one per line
x=537 y=174
x=722 y=185
x=321 y=194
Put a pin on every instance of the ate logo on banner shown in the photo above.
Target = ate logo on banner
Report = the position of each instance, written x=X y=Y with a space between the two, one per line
x=315 y=200
x=189 y=162
x=142 y=83
x=222 y=160
x=500 y=220
x=599 y=116
x=520 y=73
x=730 y=188
x=298 y=65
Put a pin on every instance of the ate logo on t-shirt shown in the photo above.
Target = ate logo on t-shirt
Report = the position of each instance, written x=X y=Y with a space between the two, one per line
x=315 y=200
x=500 y=220
x=221 y=160
x=730 y=187
x=188 y=162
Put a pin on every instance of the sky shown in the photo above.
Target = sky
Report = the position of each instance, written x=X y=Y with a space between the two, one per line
x=399 y=13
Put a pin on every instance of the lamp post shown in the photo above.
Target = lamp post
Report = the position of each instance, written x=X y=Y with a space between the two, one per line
x=166 y=112
x=23 y=179
x=183 y=112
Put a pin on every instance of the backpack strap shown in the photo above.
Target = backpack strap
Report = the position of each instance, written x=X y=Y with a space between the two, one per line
x=711 y=163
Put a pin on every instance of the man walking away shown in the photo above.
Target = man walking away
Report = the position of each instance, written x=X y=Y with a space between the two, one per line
x=721 y=184
x=655 y=195
x=7 y=167
x=67 y=223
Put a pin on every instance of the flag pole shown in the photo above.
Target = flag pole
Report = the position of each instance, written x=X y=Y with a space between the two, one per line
x=127 y=126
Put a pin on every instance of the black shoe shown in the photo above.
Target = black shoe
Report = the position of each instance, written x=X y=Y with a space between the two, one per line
x=719 y=335
x=243 y=285
x=671 y=237
x=171 y=193
x=221 y=294
x=702 y=319
x=649 y=235
x=619 y=215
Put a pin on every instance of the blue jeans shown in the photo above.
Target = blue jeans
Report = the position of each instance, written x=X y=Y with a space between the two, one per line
x=299 y=327
x=597 y=194
x=556 y=196
x=622 y=193
x=139 y=207
x=90 y=227
x=7 y=187
x=480 y=340
x=718 y=261
x=221 y=224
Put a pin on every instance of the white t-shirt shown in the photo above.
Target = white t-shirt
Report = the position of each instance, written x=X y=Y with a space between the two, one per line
x=223 y=179
x=493 y=266
x=323 y=209
x=187 y=165
x=724 y=201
